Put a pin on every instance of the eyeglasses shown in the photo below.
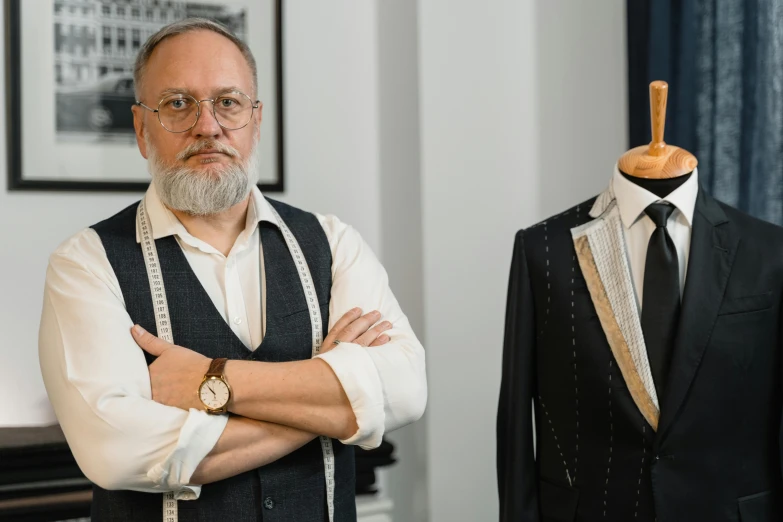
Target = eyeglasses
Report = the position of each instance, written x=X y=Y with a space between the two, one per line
x=180 y=112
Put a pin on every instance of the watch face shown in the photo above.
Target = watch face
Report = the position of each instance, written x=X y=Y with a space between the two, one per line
x=214 y=393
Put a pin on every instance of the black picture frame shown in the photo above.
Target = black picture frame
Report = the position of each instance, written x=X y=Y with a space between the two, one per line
x=13 y=78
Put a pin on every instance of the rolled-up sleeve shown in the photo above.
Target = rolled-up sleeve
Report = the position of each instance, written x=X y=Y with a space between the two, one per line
x=98 y=383
x=386 y=385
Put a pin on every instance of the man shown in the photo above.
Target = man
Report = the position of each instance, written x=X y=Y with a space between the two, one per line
x=232 y=274
x=643 y=412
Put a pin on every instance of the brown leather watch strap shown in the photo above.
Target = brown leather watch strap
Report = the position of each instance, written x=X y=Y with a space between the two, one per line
x=216 y=368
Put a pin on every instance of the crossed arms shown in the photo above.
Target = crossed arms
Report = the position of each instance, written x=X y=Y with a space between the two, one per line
x=124 y=437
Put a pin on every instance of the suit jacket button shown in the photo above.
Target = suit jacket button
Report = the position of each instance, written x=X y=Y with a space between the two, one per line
x=269 y=503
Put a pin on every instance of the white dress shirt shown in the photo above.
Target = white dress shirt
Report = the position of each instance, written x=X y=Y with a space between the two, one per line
x=638 y=227
x=97 y=378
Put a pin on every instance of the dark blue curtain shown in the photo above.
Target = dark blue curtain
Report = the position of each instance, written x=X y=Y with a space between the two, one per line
x=723 y=60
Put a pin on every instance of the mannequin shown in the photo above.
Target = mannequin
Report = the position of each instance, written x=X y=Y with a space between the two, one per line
x=619 y=437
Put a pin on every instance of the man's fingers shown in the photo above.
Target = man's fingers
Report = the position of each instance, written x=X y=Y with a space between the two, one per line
x=148 y=342
x=369 y=337
x=381 y=340
x=358 y=327
x=345 y=320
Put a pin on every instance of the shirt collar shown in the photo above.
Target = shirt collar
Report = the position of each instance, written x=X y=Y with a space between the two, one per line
x=164 y=223
x=633 y=199
x=261 y=208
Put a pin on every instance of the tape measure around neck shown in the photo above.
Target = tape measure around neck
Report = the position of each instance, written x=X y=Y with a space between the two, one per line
x=163 y=323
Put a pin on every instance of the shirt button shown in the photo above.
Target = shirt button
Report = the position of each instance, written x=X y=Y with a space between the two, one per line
x=237 y=320
x=269 y=503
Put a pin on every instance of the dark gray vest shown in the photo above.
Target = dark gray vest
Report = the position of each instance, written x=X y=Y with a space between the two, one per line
x=293 y=488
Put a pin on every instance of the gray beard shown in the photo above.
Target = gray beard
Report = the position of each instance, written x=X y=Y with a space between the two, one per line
x=203 y=192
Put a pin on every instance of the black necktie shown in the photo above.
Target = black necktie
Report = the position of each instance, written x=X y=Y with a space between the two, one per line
x=661 y=296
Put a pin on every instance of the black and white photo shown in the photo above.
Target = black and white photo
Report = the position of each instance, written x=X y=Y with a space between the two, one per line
x=71 y=88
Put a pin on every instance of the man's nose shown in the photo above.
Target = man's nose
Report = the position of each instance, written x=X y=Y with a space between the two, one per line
x=206 y=125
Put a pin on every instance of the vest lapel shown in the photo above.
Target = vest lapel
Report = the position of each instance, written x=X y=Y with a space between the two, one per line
x=187 y=298
x=600 y=248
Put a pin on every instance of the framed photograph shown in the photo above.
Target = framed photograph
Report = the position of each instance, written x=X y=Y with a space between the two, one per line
x=69 y=70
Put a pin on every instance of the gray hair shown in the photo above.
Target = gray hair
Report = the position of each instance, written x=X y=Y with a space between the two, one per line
x=189 y=25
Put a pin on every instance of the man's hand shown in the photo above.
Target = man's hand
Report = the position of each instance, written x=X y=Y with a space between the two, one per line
x=176 y=373
x=353 y=327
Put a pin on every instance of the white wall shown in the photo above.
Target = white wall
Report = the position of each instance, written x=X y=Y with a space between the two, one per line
x=479 y=184
x=331 y=111
x=510 y=135
x=582 y=101
x=332 y=155
x=401 y=234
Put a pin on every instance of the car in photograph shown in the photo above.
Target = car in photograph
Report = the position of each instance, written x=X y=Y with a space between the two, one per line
x=102 y=106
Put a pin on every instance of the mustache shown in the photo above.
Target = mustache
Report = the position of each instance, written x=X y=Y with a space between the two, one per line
x=204 y=145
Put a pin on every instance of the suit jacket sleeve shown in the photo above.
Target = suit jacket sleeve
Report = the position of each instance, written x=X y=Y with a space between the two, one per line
x=516 y=467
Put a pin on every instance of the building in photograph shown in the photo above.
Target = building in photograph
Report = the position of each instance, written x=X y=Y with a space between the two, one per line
x=95 y=37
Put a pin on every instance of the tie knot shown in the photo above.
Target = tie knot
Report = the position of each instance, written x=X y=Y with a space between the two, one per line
x=659 y=213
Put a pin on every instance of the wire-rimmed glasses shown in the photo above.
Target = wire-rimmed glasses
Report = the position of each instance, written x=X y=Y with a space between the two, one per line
x=180 y=112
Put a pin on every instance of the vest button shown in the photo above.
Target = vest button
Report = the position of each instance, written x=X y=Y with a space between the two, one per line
x=269 y=503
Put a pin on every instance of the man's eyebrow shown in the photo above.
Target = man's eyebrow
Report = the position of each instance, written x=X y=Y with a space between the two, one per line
x=215 y=92
x=174 y=90
x=230 y=88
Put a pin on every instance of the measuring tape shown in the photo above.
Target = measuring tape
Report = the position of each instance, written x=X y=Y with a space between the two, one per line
x=155 y=276
x=161 y=306
x=315 y=321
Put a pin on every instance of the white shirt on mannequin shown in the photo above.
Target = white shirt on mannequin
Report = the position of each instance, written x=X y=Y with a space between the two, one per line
x=97 y=379
x=638 y=227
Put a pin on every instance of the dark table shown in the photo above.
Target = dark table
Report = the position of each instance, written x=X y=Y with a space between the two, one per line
x=39 y=478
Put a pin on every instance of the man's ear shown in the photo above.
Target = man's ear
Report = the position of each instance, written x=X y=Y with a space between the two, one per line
x=257 y=118
x=258 y=115
x=138 y=127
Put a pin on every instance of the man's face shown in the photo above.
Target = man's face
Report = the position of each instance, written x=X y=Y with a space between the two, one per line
x=204 y=65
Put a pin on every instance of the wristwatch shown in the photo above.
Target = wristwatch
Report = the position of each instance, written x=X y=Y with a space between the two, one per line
x=214 y=390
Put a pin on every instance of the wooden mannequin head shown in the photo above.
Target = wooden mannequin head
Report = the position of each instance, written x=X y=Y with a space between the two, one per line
x=657 y=160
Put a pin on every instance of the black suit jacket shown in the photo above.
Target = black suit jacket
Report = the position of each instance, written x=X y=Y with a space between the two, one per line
x=607 y=449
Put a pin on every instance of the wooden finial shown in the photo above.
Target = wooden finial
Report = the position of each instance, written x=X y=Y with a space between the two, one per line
x=658 y=160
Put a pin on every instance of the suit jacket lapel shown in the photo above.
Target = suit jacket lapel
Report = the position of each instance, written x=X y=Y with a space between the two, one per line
x=600 y=248
x=713 y=245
